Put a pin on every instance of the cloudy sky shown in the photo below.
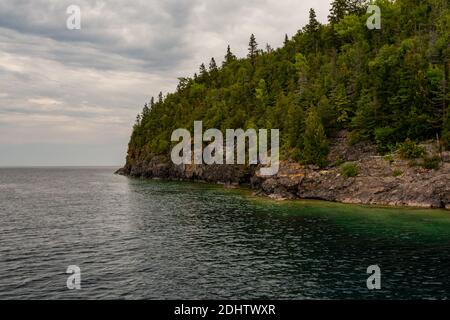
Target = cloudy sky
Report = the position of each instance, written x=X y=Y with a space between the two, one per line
x=70 y=97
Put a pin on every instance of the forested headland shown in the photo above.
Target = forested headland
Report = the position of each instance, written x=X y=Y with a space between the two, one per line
x=385 y=86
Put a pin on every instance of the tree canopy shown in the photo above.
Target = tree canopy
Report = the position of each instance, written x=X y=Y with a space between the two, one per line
x=383 y=85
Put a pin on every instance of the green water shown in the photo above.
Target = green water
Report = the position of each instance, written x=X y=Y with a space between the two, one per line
x=137 y=239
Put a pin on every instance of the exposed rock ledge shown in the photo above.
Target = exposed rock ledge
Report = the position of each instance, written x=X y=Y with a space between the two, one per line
x=379 y=181
x=375 y=183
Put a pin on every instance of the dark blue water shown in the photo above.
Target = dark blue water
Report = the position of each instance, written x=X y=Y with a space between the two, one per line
x=137 y=239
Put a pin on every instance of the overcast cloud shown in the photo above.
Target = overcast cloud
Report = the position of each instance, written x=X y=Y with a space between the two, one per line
x=70 y=97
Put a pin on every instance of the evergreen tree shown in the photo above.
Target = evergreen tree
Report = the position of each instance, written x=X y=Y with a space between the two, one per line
x=365 y=119
x=212 y=65
x=315 y=144
x=342 y=104
x=252 y=48
x=339 y=8
x=229 y=57
x=145 y=111
x=294 y=126
x=327 y=113
x=313 y=25
x=213 y=73
x=261 y=92
x=302 y=67
x=203 y=71
x=312 y=31
x=203 y=76
x=152 y=103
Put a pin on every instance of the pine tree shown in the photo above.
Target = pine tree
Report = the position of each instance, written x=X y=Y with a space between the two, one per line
x=302 y=67
x=261 y=93
x=229 y=57
x=203 y=70
x=339 y=8
x=213 y=72
x=286 y=39
x=365 y=118
x=312 y=32
x=327 y=113
x=160 y=97
x=342 y=104
x=293 y=125
x=152 y=103
x=213 y=65
x=252 y=48
x=145 y=111
x=203 y=76
x=313 y=25
x=315 y=142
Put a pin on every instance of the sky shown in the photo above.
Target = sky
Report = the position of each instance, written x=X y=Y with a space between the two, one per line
x=70 y=97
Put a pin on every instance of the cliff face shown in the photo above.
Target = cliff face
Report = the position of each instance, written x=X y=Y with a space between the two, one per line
x=161 y=167
x=380 y=180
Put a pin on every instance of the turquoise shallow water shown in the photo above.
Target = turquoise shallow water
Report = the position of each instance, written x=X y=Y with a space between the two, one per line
x=138 y=239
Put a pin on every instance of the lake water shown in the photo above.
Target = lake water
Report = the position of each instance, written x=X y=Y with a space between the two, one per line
x=136 y=239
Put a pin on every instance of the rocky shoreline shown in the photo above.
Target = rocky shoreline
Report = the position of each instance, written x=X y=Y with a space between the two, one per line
x=415 y=188
x=379 y=181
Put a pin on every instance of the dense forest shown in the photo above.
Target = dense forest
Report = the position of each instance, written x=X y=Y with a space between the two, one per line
x=385 y=85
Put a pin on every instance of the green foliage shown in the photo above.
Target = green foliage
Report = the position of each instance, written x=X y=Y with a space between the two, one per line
x=384 y=138
x=341 y=8
x=410 y=150
x=315 y=142
x=313 y=25
x=327 y=113
x=349 y=169
x=382 y=85
x=339 y=161
x=252 y=48
x=389 y=158
x=397 y=173
x=229 y=57
x=431 y=163
x=261 y=92
x=294 y=125
x=364 y=122
x=342 y=105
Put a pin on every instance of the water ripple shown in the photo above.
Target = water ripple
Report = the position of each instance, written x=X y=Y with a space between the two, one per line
x=138 y=239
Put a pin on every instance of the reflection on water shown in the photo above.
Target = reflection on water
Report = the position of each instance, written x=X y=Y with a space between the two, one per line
x=151 y=239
